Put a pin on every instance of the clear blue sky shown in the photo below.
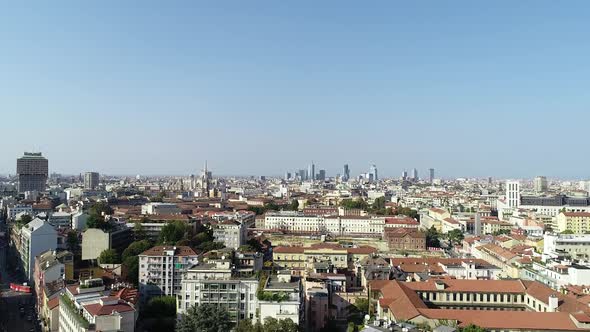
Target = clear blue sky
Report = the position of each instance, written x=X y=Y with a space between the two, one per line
x=263 y=87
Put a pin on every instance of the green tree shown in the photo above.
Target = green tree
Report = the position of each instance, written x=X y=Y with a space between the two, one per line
x=138 y=230
x=294 y=206
x=109 y=256
x=245 y=325
x=432 y=238
x=98 y=221
x=204 y=318
x=100 y=208
x=567 y=231
x=455 y=236
x=25 y=219
x=354 y=204
x=472 y=328
x=161 y=306
x=379 y=204
x=136 y=248
x=172 y=233
x=131 y=265
x=72 y=241
x=362 y=304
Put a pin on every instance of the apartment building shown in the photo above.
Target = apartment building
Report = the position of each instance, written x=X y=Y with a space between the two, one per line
x=13 y=210
x=88 y=307
x=495 y=305
x=51 y=266
x=434 y=218
x=405 y=239
x=498 y=256
x=30 y=241
x=574 y=245
x=299 y=222
x=418 y=269
x=159 y=208
x=282 y=297
x=576 y=222
x=231 y=233
x=161 y=269
x=214 y=283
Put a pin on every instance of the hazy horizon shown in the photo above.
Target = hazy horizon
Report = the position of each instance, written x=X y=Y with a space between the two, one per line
x=472 y=90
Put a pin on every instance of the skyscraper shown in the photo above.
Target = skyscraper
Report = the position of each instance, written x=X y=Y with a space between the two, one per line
x=346 y=173
x=373 y=173
x=404 y=175
x=322 y=175
x=91 y=180
x=205 y=181
x=311 y=172
x=431 y=177
x=32 y=170
x=415 y=174
x=540 y=183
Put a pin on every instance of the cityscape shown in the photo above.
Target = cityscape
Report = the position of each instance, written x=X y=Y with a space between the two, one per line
x=310 y=166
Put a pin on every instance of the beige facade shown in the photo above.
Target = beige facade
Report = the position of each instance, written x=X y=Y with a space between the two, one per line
x=577 y=222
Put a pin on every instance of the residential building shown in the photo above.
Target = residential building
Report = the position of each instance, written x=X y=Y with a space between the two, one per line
x=574 y=245
x=60 y=219
x=419 y=269
x=79 y=220
x=231 y=233
x=498 y=256
x=373 y=175
x=161 y=269
x=32 y=170
x=282 y=297
x=33 y=238
x=18 y=209
x=576 y=222
x=513 y=193
x=91 y=180
x=51 y=266
x=88 y=307
x=95 y=240
x=214 y=282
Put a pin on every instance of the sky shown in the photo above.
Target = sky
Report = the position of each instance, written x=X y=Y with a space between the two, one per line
x=470 y=88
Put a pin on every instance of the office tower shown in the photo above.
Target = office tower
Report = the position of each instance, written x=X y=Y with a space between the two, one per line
x=346 y=173
x=91 y=180
x=540 y=183
x=32 y=170
x=513 y=193
x=431 y=175
x=415 y=174
x=322 y=175
x=490 y=180
x=311 y=172
x=302 y=175
x=373 y=176
x=404 y=175
x=287 y=176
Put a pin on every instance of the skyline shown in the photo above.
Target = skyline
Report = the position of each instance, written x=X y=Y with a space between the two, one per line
x=472 y=90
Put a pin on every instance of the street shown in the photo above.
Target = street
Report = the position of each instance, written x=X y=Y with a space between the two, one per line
x=17 y=310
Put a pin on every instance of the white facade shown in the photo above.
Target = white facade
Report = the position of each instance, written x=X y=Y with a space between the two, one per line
x=35 y=238
x=159 y=208
x=79 y=220
x=578 y=246
x=298 y=222
x=13 y=211
x=513 y=193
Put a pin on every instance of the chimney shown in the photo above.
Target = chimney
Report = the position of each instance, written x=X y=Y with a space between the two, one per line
x=553 y=303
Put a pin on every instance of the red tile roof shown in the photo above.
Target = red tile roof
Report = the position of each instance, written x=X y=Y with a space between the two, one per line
x=97 y=309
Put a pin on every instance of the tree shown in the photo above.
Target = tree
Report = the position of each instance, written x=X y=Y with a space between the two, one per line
x=204 y=318
x=131 y=265
x=161 y=306
x=109 y=256
x=500 y=232
x=354 y=204
x=432 y=238
x=101 y=208
x=294 y=206
x=136 y=248
x=172 y=233
x=245 y=325
x=472 y=328
x=25 y=219
x=362 y=304
x=138 y=230
x=72 y=241
x=567 y=231
x=98 y=221
x=455 y=236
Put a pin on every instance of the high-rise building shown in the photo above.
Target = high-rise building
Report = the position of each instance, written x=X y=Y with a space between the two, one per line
x=431 y=175
x=91 y=180
x=302 y=175
x=322 y=175
x=32 y=170
x=346 y=173
x=513 y=193
x=404 y=175
x=287 y=176
x=540 y=184
x=311 y=172
x=415 y=174
x=373 y=173
x=205 y=181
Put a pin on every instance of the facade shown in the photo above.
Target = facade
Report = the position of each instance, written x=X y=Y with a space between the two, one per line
x=79 y=220
x=576 y=222
x=17 y=209
x=52 y=266
x=415 y=174
x=32 y=170
x=159 y=208
x=286 y=287
x=231 y=233
x=540 y=184
x=513 y=193
x=34 y=238
x=95 y=241
x=495 y=305
x=161 y=269
x=300 y=222
x=458 y=268
x=345 y=173
x=87 y=307
x=431 y=175
x=575 y=246
x=405 y=239
x=60 y=219
x=214 y=283
x=91 y=180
